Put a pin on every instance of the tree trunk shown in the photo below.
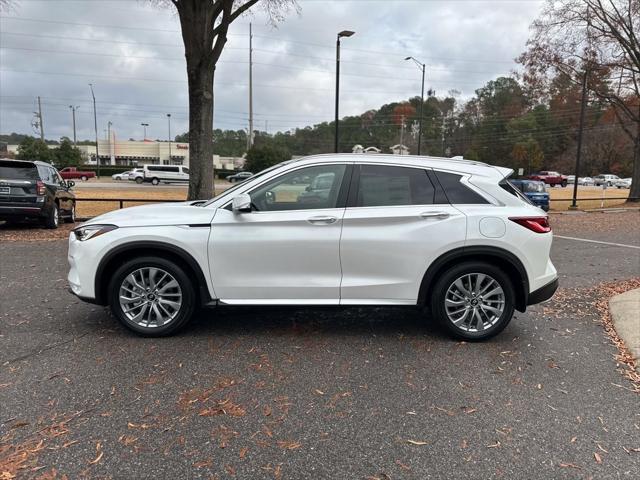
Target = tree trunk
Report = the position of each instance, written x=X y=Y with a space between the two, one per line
x=634 y=193
x=200 y=80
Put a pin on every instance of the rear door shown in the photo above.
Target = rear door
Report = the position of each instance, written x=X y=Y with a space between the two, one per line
x=396 y=223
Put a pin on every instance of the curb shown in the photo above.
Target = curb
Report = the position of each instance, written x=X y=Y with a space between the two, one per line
x=625 y=314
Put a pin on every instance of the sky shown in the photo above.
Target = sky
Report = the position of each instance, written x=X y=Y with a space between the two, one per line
x=132 y=53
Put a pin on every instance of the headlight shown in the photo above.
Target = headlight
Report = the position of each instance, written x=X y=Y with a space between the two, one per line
x=91 y=231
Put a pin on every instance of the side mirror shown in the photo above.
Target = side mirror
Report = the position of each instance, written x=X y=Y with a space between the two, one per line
x=70 y=184
x=241 y=203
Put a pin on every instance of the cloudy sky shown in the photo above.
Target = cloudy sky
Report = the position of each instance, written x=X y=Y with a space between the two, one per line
x=132 y=53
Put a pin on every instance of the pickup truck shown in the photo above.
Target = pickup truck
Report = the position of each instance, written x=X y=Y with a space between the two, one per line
x=73 y=172
x=550 y=178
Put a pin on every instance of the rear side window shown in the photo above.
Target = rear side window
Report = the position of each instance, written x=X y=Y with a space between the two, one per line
x=513 y=190
x=456 y=191
x=389 y=186
x=18 y=171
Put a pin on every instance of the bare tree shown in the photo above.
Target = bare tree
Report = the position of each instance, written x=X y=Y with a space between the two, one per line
x=601 y=37
x=204 y=25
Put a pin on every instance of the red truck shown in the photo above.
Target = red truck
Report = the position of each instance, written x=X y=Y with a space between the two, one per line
x=550 y=178
x=73 y=172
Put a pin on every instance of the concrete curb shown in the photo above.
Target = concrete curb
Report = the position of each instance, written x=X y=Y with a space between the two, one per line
x=625 y=313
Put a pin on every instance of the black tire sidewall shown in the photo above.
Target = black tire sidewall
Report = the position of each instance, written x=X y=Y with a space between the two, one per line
x=188 y=295
x=449 y=276
x=50 y=220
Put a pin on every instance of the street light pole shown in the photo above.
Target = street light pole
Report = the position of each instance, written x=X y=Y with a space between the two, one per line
x=73 y=113
x=169 y=120
x=422 y=67
x=344 y=33
x=144 y=125
x=109 y=138
x=95 y=126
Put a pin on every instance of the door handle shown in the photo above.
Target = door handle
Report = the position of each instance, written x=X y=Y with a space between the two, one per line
x=440 y=215
x=322 y=220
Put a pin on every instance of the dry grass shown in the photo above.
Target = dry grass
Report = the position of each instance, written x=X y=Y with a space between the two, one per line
x=91 y=209
x=557 y=193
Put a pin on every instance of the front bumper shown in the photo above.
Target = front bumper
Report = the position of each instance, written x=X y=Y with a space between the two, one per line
x=543 y=293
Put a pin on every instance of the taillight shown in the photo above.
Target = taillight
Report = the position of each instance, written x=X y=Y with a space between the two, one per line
x=40 y=190
x=535 y=224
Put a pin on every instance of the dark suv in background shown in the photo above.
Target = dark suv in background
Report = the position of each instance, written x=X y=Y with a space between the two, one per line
x=34 y=190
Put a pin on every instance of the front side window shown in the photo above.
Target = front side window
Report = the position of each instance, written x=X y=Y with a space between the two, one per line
x=382 y=186
x=306 y=188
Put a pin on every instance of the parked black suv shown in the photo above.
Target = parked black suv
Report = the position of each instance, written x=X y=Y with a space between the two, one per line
x=35 y=190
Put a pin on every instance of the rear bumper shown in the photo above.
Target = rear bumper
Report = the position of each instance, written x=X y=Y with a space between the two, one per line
x=21 y=210
x=543 y=293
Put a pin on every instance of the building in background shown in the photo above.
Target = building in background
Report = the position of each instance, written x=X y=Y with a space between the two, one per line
x=131 y=153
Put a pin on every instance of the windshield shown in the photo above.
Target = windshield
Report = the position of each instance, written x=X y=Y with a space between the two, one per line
x=533 y=187
x=18 y=171
x=236 y=187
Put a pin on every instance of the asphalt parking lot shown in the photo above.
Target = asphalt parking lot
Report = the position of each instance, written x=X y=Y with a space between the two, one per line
x=375 y=393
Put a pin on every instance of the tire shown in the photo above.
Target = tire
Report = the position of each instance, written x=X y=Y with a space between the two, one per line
x=139 y=180
x=563 y=183
x=181 y=315
x=468 y=329
x=72 y=216
x=52 y=219
x=84 y=178
x=155 y=181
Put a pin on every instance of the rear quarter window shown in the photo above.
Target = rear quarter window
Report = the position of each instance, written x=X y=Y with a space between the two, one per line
x=456 y=191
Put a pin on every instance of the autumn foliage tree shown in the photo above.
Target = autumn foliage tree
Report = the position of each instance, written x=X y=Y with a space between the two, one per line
x=601 y=38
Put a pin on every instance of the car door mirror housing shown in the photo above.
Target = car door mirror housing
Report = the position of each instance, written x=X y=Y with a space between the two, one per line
x=241 y=203
x=71 y=184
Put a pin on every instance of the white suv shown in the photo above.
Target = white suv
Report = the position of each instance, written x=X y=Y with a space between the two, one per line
x=452 y=235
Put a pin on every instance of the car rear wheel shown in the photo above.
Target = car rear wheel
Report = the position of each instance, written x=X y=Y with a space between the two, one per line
x=139 y=180
x=155 y=181
x=84 y=178
x=152 y=296
x=473 y=300
x=52 y=219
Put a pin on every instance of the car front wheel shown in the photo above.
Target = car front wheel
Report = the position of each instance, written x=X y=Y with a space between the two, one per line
x=473 y=300
x=152 y=296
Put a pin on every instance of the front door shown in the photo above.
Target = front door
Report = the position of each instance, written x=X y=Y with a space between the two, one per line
x=286 y=250
x=393 y=228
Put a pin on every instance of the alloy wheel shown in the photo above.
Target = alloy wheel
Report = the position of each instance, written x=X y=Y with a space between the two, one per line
x=150 y=297
x=474 y=302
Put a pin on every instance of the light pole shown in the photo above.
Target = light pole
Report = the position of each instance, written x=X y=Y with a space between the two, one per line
x=422 y=67
x=73 y=113
x=95 y=126
x=109 y=123
x=344 y=33
x=145 y=125
x=169 y=121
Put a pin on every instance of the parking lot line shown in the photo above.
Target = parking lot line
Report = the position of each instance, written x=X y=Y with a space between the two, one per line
x=597 y=241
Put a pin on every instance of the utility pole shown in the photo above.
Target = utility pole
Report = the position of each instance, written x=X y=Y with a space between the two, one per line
x=109 y=138
x=41 y=121
x=169 y=122
x=583 y=106
x=95 y=126
x=73 y=114
x=443 y=118
x=250 y=85
x=422 y=67
x=344 y=33
x=401 y=134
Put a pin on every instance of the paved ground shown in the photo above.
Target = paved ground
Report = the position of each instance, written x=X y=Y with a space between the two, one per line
x=318 y=393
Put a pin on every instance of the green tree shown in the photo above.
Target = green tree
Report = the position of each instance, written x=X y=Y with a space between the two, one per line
x=260 y=157
x=66 y=155
x=34 y=149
